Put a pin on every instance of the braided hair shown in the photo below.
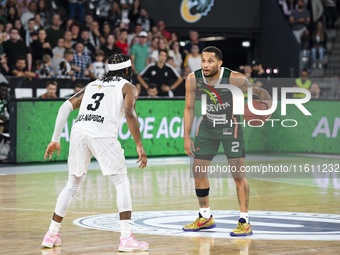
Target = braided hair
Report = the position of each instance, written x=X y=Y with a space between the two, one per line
x=112 y=75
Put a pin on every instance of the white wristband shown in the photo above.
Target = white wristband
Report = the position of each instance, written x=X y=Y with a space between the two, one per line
x=64 y=112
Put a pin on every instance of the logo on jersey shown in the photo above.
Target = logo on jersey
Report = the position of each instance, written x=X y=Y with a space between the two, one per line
x=100 y=86
x=212 y=94
x=193 y=10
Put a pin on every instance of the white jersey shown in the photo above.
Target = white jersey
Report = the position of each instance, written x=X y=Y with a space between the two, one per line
x=102 y=108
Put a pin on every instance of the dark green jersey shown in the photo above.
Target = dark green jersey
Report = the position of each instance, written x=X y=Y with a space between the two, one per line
x=3 y=105
x=219 y=100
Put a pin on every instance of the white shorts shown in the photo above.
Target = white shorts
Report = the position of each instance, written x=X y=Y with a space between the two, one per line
x=107 y=151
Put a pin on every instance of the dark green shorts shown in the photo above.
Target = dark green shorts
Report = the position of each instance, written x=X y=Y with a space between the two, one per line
x=208 y=141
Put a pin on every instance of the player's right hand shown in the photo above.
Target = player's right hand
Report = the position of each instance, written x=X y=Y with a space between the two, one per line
x=51 y=148
x=189 y=147
x=141 y=157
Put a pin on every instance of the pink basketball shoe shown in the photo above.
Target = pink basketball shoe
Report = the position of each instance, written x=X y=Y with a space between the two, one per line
x=51 y=240
x=131 y=244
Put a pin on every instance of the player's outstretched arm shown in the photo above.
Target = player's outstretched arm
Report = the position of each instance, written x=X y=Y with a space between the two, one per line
x=189 y=113
x=243 y=83
x=130 y=94
x=64 y=111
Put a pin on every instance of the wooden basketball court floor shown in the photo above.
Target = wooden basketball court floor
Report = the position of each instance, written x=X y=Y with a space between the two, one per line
x=28 y=195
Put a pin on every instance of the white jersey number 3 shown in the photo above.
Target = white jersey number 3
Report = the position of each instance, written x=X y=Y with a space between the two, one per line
x=98 y=97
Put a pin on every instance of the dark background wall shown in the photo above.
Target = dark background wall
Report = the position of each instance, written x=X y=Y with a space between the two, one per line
x=231 y=14
x=258 y=21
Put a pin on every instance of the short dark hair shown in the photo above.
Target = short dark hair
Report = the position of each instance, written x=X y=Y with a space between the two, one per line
x=21 y=57
x=4 y=84
x=304 y=70
x=123 y=30
x=79 y=85
x=100 y=53
x=52 y=83
x=68 y=52
x=14 y=28
x=32 y=2
x=75 y=23
x=79 y=42
x=162 y=50
x=217 y=51
x=46 y=58
x=85 y=29
x=153 y=86
x=31 y=19
x=38 y=62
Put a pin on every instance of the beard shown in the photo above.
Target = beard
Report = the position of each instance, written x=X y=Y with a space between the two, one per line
x=213 y=72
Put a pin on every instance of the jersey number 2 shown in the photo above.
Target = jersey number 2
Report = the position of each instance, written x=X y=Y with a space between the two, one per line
x=234 y=147
x=98 y=97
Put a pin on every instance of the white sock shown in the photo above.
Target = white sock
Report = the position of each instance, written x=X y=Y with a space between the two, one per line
x=54 y=227
x=245 y=216
x=125 y=228
x=205 y=212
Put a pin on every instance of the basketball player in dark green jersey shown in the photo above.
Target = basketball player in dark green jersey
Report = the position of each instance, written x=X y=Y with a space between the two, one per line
x=209 y=136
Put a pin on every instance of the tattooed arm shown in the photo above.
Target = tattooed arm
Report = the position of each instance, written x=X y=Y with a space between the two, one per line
x=243 y=83
x=77 y=98
x=64 y=111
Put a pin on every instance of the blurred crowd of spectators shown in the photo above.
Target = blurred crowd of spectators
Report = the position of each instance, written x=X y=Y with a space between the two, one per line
x=72 y=39
x=309 y=20
x=256 y=73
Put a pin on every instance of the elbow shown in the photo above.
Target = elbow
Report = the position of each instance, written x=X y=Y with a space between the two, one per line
x=130 y=113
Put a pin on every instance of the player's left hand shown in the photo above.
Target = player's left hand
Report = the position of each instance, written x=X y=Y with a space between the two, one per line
x=141 y=157
x=51 y=148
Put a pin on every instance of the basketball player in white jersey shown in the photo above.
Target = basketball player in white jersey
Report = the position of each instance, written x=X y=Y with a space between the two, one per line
x=103 y=104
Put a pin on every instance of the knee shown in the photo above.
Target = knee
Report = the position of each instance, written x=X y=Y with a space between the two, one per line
x=241 y=182
x=201 y=183
x=120 y=181
x=73 y=188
